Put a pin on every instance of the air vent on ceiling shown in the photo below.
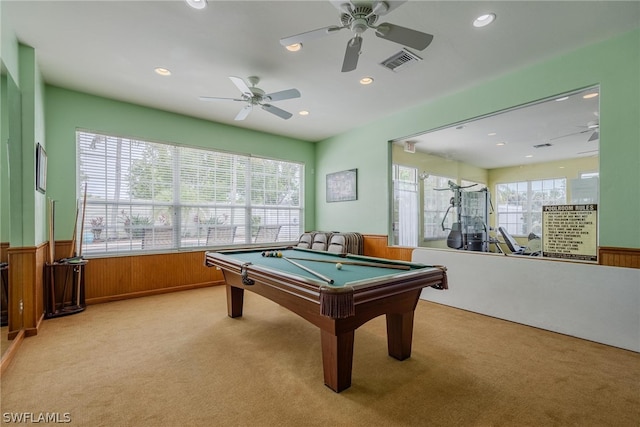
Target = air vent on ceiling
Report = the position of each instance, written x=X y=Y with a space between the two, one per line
x=410 y=146
x=542 y=145
x=400 y=60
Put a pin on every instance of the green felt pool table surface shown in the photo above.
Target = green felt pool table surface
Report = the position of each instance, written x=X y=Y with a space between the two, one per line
x=348 y=275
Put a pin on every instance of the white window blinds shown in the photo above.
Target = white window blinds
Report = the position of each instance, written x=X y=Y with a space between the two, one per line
x=148 y=196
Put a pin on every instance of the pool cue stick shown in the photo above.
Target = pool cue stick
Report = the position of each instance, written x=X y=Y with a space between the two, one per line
x=72 y=252
x=84 y=211
x=308 y=270
x=360 y=263
x=52 y=251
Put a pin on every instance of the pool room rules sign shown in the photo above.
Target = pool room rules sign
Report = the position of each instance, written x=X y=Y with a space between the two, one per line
x=570 y=232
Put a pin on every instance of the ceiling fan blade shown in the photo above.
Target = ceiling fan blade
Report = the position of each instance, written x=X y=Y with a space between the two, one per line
x=309 y=35
x=352 y=54
x=244 y=113
x=284 y=94
x=277 y=111
x=214 y=98
x=568 y=135
x=242 y=86
x=404 y=36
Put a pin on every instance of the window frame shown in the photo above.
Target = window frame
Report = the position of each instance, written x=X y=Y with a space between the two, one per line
x=264 y=206
x=527 y=223
x=446 y=195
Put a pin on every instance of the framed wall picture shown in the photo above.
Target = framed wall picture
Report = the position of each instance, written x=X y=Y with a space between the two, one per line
x=41 y=169
x=342 y=186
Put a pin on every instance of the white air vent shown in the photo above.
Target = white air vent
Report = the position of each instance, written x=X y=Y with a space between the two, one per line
x=410 y=146
x=400 y=60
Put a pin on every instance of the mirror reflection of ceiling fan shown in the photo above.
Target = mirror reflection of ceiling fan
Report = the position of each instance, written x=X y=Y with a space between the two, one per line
x=358 y=16
x=255 y=96
x=592 y=128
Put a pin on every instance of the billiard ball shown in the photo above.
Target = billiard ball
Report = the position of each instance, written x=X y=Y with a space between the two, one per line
x=339 y=266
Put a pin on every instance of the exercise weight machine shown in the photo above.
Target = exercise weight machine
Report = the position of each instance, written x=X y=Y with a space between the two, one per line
x=470 y=230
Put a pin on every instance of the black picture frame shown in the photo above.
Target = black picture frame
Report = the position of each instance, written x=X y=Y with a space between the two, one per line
x=41 y=169
x=342 y=186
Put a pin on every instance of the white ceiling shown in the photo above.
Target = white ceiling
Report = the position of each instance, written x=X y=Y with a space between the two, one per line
x=110 y=48
x=560 y=128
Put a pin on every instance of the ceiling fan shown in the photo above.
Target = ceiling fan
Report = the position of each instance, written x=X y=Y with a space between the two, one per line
x=358 y=16
x=255 y=96
x=592 y=128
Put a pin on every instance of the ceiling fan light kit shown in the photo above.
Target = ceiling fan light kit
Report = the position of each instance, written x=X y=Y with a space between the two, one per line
x=197 y=4
x=357 y=17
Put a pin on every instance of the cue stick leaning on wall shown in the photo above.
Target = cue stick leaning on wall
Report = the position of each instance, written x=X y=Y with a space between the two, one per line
x=84 y=211
x=52 y=252
x=72 y=253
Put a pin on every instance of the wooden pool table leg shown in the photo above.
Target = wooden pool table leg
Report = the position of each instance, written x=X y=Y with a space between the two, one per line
x=337 y=359
x=400 y=334
x=235 y=299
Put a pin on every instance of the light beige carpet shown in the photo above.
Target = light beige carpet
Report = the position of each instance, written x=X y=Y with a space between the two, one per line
x=178 y=360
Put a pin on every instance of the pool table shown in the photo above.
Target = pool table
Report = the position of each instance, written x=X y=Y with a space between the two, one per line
x=337 y=299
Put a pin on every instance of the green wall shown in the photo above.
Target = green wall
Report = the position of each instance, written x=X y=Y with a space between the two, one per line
x=67 y=111
x=25 y=122
x=33 y=213
x=4 y=172
x=613 y=64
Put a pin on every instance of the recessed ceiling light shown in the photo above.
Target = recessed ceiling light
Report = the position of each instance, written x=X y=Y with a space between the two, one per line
x=528 y=156
x=492 y=134
x=197 y=4
x=564 y=98
x=294 y=47
x=162 y=71
x=484 y=20
x=590 y=95
x=501 y=144
x=304 y=113
x=366 y=80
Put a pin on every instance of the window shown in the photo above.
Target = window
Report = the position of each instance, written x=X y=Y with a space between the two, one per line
x=437 y=199
x=519 y=204
x=405 y=206
x=147 y=196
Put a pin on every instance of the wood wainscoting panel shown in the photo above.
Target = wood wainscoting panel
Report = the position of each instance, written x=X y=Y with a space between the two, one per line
x=63 y=250
x=116 y=278
x=619 y=257
x=376 y=245
x=26 y=268
x=4 y=251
